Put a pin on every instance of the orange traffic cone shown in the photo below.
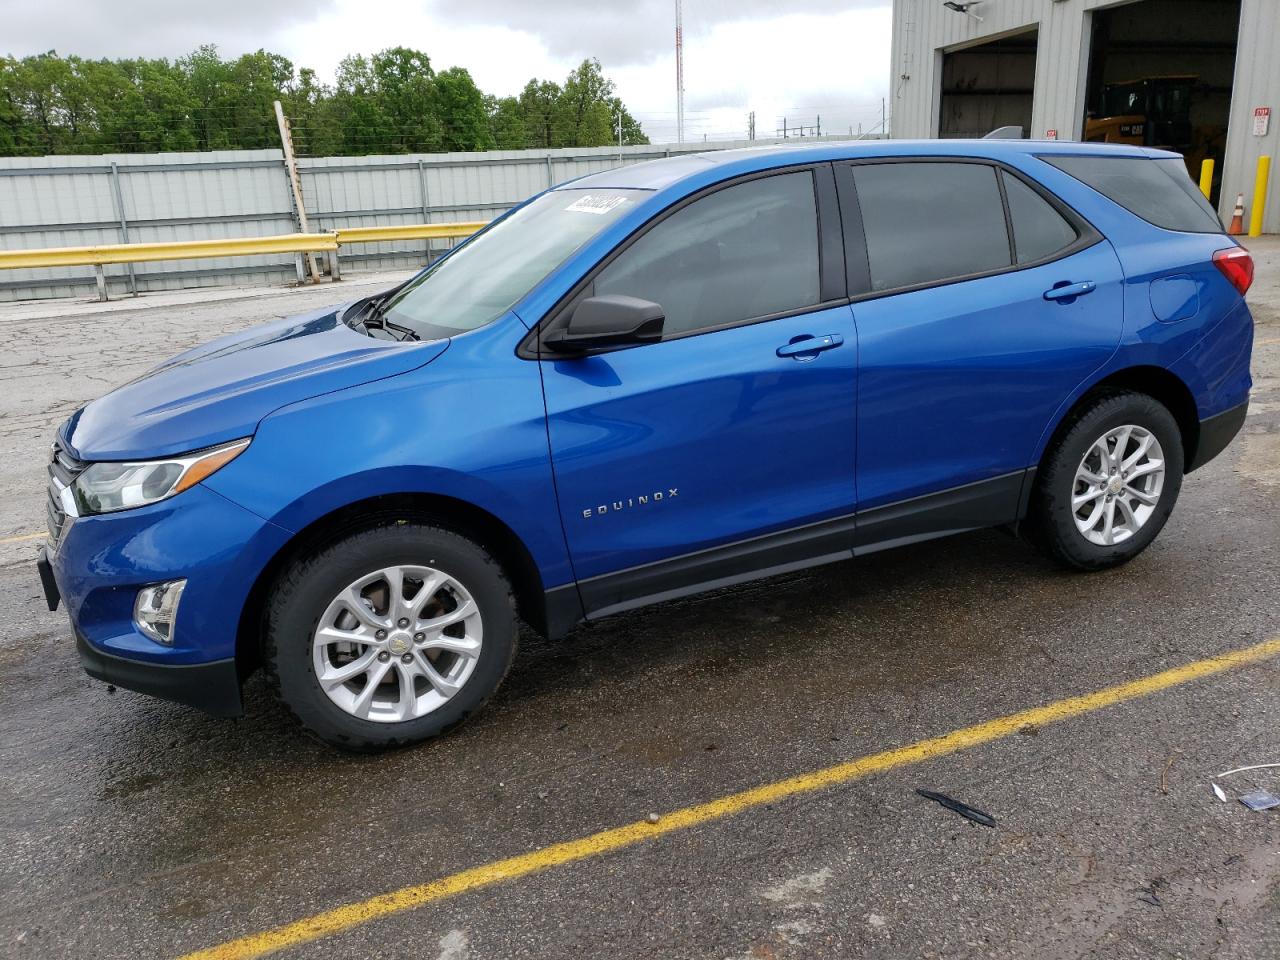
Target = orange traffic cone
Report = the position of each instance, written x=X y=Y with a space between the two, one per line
x=1237 y=217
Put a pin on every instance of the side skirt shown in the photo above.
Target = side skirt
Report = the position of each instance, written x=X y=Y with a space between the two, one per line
x=986 y=503
x=974 y=506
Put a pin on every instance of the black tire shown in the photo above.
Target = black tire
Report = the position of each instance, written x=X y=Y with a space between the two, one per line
x=305 y=590
x=1051 y=518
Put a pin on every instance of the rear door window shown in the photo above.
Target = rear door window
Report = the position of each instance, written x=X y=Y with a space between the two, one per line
x=927 y=222
x=1159 y=191
x=1039 y=231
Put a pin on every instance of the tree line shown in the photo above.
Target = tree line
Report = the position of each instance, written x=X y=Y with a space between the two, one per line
x=391 y=102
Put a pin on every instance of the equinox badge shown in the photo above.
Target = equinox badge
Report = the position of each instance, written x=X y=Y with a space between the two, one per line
x=656 y=497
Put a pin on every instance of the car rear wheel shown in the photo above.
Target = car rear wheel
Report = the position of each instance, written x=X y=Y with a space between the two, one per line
x=1110 y=482
x=391 y=636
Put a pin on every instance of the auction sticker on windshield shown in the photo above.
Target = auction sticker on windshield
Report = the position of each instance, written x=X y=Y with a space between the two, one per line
x=595 y=204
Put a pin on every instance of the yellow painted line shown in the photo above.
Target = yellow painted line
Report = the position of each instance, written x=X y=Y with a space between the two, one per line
x=407 y=898
x=23 y=537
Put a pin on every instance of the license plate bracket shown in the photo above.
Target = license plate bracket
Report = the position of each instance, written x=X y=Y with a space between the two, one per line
x=52 y=595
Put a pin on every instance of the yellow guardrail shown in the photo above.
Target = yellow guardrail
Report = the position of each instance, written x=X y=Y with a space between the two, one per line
x=296 y=243
x=168 y=250
x=414 y=231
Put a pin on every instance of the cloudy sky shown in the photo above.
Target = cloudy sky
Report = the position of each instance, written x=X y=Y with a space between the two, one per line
x=802 y=59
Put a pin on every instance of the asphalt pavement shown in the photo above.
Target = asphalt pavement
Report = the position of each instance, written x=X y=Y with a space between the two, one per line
x=135 y=828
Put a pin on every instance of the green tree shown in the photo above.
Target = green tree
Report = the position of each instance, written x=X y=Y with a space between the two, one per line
x=232 y=99
x=585 y=115
x=539 y=104
x=582 y=113
x=12 y=125
x=362 y=122
x=391 y=102
x=462 y=111
x=506 y=120
x=404 y=84
x=309 y=105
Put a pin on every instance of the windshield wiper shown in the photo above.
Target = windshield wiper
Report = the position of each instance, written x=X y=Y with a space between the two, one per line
x=371 y=317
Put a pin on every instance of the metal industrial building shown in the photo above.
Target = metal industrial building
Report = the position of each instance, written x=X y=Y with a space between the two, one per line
x=1057 y=68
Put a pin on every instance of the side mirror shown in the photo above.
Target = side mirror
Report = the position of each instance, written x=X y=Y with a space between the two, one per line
x=611 y=320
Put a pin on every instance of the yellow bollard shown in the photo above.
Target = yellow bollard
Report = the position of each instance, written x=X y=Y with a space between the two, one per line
x=1206 y=176
x=1260 y=196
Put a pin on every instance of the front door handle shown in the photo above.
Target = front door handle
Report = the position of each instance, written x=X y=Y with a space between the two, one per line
x=806 y=348
x=1069 y=291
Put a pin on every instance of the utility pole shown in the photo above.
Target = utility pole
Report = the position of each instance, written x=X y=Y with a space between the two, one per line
x=679 y=74
x=619 y=133
x=883 y=132
x=819 y=127
x=295 y=185
x=751 y=125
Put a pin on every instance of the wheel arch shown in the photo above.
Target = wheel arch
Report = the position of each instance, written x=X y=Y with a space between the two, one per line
x=451 y=513
x=1156 y=382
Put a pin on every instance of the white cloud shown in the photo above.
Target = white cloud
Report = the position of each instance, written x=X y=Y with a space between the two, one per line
x=804 y=67
x=146 y=28
x=802 y=60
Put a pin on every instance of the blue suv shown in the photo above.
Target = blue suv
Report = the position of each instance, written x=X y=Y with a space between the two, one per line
x=648 y=382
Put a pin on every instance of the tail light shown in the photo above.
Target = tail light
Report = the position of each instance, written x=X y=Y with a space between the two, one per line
x=1237 y=266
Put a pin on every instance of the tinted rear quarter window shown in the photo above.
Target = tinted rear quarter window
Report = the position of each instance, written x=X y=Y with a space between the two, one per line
x=930 y=221
x=1159 y=191
x=1039 y=231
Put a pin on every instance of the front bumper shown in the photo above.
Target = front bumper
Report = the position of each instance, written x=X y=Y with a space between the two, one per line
x=212 y=687
x=101 y=562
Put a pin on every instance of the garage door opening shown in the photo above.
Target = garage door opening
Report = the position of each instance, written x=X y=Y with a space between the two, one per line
x=1160 y=75
x=988 y=86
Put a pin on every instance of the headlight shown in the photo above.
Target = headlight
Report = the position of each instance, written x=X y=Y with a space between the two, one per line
x=107 y=487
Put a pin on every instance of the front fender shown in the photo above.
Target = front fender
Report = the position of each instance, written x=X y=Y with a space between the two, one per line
x=469 y=426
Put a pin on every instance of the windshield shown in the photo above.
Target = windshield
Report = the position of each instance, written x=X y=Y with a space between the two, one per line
x=483 y=279
x=1124 y=99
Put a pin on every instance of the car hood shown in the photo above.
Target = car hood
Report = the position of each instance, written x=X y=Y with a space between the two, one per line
x=222 y=390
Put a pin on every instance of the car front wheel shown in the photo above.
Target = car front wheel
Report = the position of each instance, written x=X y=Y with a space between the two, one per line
x=1110 y=482
x=391 y=636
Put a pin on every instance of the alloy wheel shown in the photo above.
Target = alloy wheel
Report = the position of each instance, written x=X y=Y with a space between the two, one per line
x=397 y=644
x=1117 y=485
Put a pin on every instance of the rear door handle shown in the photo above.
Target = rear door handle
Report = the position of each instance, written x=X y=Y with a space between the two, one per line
x=809 y=347
x=1069 y=291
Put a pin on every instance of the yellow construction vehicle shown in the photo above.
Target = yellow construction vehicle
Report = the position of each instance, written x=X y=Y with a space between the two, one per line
x=1156 y=112
x=1150 y=112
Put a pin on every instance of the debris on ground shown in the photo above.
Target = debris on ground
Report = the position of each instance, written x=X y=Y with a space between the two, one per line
x=1256 y=766
x=1259 y=800
x=1164 y=777
x=1150 y=895
x=966 y=811
x=652 y=818
x=1255 y=800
